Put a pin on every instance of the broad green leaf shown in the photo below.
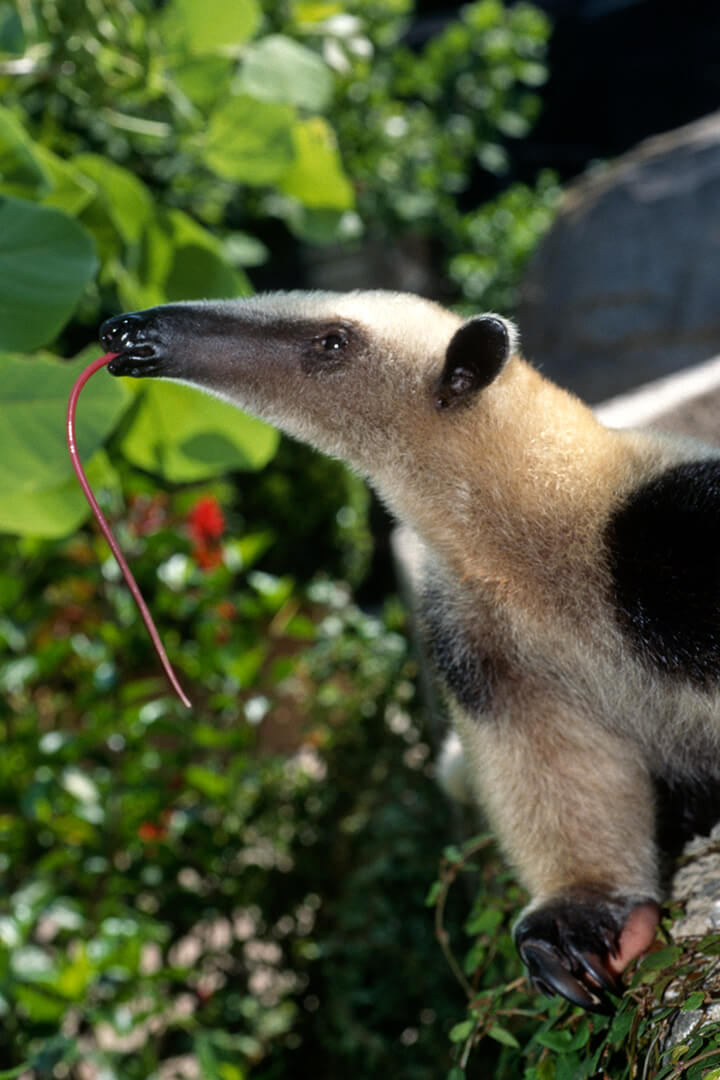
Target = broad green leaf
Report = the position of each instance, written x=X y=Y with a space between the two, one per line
x=250 y=141
x=46 y=260
x=198 y=268
x=126 y=200
x=197 y=273
x=210 y=26
x=316 y=175
x=181 y=261
x=58 y=511
x=279 y=69
x=21 y=170
x=33 y=401
x=186 y=435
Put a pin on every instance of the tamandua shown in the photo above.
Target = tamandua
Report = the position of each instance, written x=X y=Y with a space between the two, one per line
x=571 y=591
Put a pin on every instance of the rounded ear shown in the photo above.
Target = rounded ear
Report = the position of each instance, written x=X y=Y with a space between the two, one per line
x=475 y=355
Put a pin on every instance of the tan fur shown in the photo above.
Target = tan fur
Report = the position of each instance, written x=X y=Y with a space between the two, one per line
x=510 y=497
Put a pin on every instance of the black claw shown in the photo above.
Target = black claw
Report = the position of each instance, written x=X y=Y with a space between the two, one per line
x=565 y=943
x=595 y=969
x=550 y=976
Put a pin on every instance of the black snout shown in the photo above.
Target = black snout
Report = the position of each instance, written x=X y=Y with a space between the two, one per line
x=139 y=349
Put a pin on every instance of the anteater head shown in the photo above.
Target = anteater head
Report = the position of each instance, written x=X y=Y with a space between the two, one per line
x=375 y=378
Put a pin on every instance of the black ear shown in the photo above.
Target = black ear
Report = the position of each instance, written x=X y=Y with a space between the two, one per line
x=475 y=355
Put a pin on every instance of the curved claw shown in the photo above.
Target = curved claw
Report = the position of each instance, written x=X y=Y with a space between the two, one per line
x=549 y=975
x=595 y=968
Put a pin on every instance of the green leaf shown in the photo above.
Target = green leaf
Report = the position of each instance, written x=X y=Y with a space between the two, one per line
x=559 y=1041
x=316 y=176
x=39 y=1006
x=502 y=1035
x=250 y=141
x=12 y=1074
x=181 y=261
x=70 y=190
x=210 y=26
x=46 y=260
x=33 y=399
x=211 y=784
x=21 y=171
x=57 y=511
x=433 y=893
x=186 y=435
x=694 y=1001
x=484 y=922
x=279 y=69
x=126 y=200
x=663 y=958
x=546 y=1069
x=710 y=945
x=462 y=1031
x=204 y=78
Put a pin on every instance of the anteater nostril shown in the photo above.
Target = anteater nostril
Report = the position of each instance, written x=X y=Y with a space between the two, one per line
x=122 y=332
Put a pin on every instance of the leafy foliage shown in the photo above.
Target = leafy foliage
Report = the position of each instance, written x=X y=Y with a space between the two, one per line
x=177 y=890
x=143 y=148
x=552 y=1040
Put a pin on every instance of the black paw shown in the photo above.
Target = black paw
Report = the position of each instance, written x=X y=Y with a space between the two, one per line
x=131 y=336
x=565 y=943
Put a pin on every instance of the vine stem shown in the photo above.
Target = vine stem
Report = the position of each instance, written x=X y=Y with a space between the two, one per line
x=107 y=531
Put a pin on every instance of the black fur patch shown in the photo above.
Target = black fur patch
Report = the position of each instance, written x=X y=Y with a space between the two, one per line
x=467 y=670
x=685 y=810
x=664 y=548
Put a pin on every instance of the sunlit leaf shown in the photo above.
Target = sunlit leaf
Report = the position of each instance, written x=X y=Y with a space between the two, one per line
x=279 y=69
x=316 y=176
x=186 y=435
x=250 y=141
x=210 y=26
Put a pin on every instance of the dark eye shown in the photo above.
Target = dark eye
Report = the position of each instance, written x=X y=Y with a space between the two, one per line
x=333 y=341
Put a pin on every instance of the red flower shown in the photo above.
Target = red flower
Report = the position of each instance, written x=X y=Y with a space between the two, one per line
x=206 y=522
x=149 y=832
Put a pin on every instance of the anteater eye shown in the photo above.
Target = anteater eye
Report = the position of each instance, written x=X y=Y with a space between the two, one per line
x=334 y=340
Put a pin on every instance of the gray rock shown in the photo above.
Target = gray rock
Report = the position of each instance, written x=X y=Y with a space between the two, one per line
x=626 y=285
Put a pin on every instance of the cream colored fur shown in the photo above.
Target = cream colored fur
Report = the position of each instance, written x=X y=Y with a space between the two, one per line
x=510 y=497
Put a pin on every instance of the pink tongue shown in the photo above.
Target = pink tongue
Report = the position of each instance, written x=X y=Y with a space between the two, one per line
x=107 y=531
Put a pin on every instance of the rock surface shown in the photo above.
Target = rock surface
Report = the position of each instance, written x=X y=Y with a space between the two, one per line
x=626 y=285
